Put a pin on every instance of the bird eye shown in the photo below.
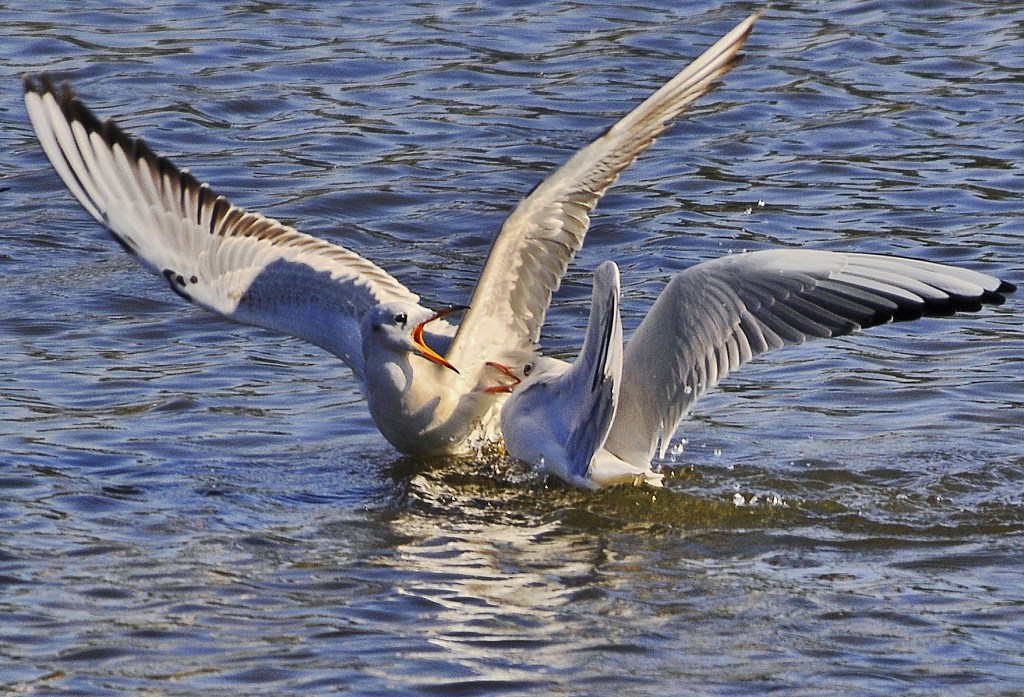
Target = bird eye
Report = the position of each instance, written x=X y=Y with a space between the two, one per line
x=401 y=318
x=527 y=369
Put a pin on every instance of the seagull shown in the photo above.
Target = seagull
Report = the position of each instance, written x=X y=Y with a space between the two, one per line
x=600 y=420
x=559 y=415
x=432 y=387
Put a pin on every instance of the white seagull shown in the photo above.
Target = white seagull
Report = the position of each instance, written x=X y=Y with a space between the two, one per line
x=429 y=391
x=599 y=421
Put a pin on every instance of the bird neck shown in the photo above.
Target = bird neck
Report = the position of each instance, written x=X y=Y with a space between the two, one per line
x=419 y=405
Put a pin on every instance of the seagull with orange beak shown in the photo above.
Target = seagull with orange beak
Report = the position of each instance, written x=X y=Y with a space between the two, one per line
x=255 y=270
x=403 y=373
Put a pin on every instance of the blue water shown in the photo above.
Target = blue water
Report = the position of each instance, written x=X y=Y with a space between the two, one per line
x=192 y=507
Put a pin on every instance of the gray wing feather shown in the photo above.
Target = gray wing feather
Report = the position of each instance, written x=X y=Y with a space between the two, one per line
x=539 y=239
x=593 y=379
x=716 y=316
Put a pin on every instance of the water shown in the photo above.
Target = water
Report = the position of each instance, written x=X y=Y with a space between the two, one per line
x=191 y=507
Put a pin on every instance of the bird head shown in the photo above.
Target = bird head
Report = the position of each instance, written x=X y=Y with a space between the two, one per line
x=399 y=327
x=530 y=371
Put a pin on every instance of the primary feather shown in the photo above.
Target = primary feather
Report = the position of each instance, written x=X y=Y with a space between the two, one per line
x=714 y=317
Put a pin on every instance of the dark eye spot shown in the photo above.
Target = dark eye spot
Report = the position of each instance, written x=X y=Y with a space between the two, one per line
x=527 y=369
x=401 y=318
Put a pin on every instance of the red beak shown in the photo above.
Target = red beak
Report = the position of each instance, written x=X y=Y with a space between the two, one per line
x=505 y=389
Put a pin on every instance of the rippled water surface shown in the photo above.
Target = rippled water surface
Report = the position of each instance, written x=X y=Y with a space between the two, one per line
x=193 y=507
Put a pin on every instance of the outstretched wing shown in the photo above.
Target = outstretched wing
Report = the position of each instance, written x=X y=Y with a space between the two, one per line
x=716 y=316
x=242 y=265
x=540 y=238
x=593 y=380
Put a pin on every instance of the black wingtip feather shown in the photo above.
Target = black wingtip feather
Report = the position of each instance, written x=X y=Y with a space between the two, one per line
x=75 y=110
x=947 y=307
x=136 y=148
x=40 y=83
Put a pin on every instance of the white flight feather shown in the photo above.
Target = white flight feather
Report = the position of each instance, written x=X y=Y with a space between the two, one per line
x=541 y=236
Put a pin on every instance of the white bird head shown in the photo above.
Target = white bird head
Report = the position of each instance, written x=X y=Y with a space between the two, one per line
x=541 y=369
x=524 y=370
x=398 y=327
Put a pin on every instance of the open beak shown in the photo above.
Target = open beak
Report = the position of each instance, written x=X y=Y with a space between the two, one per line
x=421 y=345
x=504 y=389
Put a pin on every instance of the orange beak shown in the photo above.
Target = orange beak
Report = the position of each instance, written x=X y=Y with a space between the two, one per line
x=417 y=336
